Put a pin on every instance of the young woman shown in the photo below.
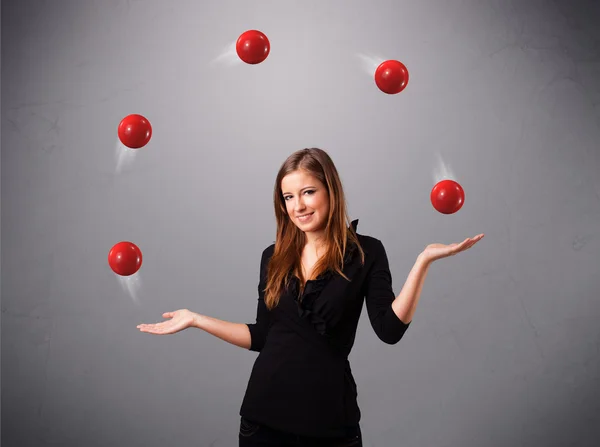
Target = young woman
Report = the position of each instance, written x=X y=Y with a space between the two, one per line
x=312 y=285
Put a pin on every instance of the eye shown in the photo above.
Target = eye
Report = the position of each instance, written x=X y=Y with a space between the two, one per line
x=310 y=191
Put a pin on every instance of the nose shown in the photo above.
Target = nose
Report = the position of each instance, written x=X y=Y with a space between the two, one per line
x=299 y=205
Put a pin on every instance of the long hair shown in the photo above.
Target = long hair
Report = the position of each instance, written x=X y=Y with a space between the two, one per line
x=338 y=234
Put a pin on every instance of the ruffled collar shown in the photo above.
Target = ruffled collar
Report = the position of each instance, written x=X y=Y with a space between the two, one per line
x=313 y=288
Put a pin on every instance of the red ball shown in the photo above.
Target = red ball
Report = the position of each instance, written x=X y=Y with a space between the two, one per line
x=447 y=197
x=125 y=258
x=253 y=47
x=391 y=77
x=135 y=131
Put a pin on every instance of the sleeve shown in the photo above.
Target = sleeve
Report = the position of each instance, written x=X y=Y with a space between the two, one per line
x=258 y=330
x=379 y=297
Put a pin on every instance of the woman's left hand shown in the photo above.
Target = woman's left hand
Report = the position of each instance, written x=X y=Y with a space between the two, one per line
x=434 y=252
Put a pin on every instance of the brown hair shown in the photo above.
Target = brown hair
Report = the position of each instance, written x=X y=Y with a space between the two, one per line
x=291 y=240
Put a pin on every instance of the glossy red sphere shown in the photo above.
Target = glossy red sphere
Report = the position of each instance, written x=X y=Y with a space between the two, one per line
x=447 y=197
x=253 y=47
x=125 y=258
x=391 y=77
x=135 y=131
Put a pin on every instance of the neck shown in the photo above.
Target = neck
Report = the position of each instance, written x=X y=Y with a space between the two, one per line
x=314 y=241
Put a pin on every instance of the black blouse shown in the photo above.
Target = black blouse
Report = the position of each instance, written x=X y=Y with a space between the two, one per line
x=301 y=381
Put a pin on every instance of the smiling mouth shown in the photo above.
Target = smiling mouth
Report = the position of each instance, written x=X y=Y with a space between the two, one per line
x=305 y=217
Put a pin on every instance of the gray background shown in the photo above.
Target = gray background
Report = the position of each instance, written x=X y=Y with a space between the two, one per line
x=503 y=96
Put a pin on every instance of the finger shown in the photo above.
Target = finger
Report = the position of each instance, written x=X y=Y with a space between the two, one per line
x=463 y=246
x=153 y=329
x=476 y=239
x=168 y=314
x=148 y=324
x=472 y=243
x=473 y=239
x=463 y=243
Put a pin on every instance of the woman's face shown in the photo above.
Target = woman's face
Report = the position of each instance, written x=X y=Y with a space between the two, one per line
x=306 y=200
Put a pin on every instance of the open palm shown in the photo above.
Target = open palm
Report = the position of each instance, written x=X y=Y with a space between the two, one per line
x=179 y=320
x=437 y=251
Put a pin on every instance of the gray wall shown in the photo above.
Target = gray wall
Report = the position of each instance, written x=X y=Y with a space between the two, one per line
x=503 y=95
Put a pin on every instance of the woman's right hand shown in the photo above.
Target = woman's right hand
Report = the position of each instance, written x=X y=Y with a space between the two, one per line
x=178 y=321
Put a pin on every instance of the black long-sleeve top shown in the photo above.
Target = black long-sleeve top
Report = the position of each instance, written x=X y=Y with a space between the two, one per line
x=301 y=381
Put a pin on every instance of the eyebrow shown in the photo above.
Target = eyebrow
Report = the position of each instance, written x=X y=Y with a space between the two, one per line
x=306 y=187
